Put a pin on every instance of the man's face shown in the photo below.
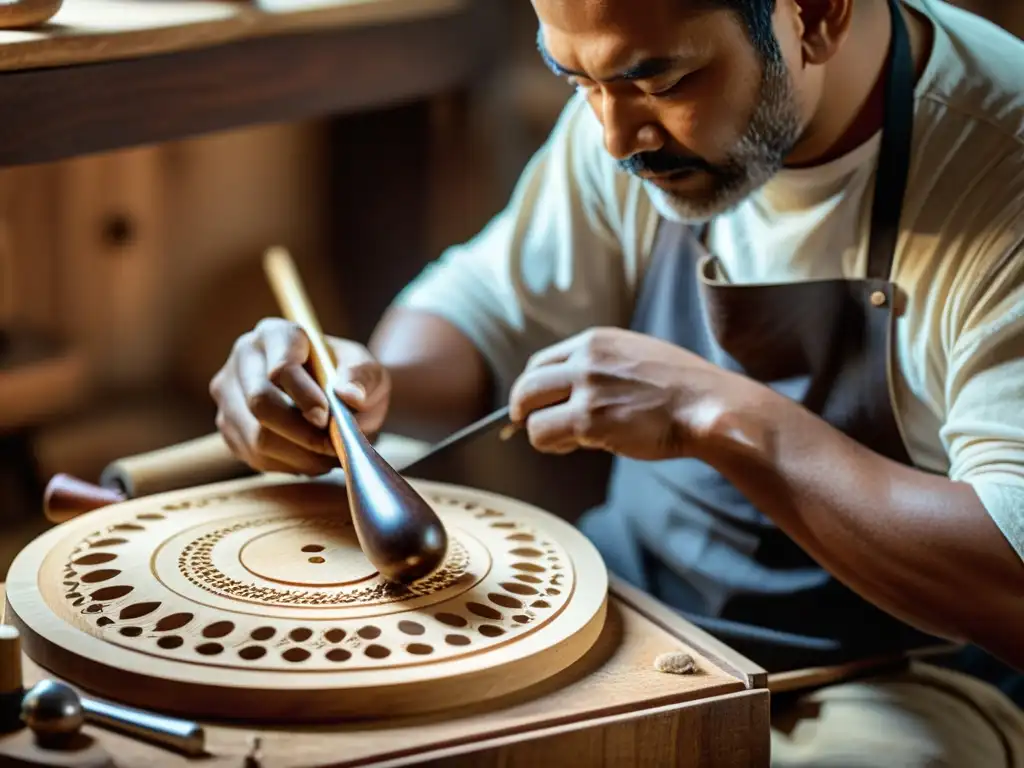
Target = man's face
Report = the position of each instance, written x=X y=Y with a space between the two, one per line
x=686 y=100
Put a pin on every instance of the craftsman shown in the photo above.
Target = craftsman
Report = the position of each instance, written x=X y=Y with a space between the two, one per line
x=772 y=258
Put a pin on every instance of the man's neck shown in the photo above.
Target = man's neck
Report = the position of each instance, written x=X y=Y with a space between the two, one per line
x=852 y=109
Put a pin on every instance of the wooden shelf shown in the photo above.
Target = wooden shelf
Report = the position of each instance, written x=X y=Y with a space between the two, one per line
x=92 y=31
x=109 y=74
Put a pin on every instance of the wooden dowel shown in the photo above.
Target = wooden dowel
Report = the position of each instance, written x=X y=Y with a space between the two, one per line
x=204 y=460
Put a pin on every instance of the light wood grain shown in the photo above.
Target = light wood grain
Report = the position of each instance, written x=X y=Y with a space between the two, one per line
x=522 y=595
x=20 y=14
x=89 y=31
x=19 y=750
x=725 y=657
x=609 y=710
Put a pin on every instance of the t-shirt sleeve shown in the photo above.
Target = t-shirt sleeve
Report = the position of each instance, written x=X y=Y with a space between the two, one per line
x=984 y=428
x=558 y=259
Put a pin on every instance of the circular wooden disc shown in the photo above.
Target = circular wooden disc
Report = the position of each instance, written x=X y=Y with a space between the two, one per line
x=252 y=599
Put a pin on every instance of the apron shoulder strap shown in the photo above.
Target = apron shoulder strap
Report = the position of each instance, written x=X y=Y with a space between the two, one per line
x=895 y=153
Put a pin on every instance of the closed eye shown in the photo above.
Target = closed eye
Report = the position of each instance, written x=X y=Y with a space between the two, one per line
x=672 y=89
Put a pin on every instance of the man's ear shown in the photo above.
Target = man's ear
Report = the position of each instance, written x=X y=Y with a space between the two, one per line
x=826 y=23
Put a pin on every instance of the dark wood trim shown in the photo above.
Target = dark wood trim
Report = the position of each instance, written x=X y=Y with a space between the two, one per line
x=54 y=114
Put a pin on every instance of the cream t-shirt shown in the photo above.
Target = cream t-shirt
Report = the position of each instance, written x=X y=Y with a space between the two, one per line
x=570 y=249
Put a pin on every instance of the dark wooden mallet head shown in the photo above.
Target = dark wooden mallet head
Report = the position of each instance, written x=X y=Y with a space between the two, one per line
x=399 y=532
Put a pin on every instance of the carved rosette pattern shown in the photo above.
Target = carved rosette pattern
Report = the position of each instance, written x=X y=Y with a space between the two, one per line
x=524 y=585
x=196 y=564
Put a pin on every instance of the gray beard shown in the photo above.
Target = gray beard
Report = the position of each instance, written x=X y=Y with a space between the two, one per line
x=773 y=131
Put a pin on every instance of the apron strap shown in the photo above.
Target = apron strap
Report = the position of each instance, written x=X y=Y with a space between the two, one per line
x=894 y=155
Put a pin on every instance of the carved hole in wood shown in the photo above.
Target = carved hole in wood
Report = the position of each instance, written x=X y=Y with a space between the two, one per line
x=107 y=542
x=170 y=642
x=218 y=629
x=377 y=652
x=96 y=558
x=338 y=655
x=253 y=652
x=527 y=552
x=209 y=649
x=104 y=574
x=527 y=578
x=174 y=621
x=411 y=628
x=110 y=593
x=457 y=640
x=483 y=611
x=505 y=601
x=521 y=537
x=529 y=567
x=137 y=611
x=519 y=589
x=295 y=654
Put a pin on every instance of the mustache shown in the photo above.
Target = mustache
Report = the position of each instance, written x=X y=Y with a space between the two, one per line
x=661 y=163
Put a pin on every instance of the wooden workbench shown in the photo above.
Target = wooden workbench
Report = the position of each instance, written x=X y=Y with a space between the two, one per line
x=610 y=709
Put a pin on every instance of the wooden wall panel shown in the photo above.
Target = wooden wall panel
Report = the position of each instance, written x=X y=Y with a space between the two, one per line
x=27 y=246
x=111 y=264
x=128 y=254
x=229 y=197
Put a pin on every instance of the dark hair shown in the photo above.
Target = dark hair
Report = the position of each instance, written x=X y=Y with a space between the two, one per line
x=756 y=15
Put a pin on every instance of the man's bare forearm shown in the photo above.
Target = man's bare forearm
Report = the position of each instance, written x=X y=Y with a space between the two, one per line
x=439 y=380
x=917 y=545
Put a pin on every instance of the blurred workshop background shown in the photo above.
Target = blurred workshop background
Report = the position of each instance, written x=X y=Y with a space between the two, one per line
x=125 y=276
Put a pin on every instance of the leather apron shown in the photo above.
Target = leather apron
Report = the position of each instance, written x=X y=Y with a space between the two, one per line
x=677 y=528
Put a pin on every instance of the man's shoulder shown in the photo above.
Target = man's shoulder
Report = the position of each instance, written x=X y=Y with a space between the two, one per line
x=974 y=74
x=965 y=202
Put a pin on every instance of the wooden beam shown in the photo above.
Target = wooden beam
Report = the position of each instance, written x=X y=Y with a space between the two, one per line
x=56 y=113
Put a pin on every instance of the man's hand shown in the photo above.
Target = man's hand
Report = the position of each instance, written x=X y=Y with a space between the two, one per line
x=271 y=411
x=623 y=392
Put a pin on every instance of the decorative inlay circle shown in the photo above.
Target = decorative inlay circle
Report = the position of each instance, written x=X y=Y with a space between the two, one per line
x=254 y=559
x=241 y=582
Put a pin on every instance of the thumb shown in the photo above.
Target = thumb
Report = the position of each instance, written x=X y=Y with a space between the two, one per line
x=359 y=378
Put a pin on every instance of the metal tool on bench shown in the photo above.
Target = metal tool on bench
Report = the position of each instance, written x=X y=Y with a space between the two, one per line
x=56 y=712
